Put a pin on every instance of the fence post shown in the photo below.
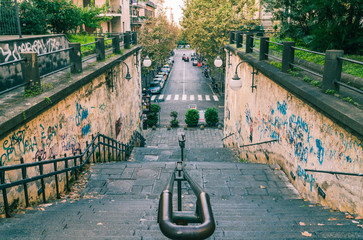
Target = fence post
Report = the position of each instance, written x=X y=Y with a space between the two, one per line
x=127 y=40
x=249 y=42
x=332 y=70
x=30 y=69
x=239 y=39
x=116 y=43
x=264 y=48
x=100 y=48
x=287 y=56
x=134 y=38
x=231 y=37
x=75 y=56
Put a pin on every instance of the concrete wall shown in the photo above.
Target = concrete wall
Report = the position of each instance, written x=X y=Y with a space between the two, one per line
x=308 y=138
x=10 y=50
x=91 y=105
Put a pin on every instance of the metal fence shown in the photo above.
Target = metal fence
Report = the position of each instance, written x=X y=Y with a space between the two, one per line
x=9 y=18
x=100 y=149
x=285 y=54
x=30 y=65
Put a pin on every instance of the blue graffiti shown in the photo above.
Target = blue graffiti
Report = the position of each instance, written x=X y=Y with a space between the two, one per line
x=306 y=177
x=301 y=152
x=282 y=107
x=81 y=114
x=348 y=159
x=86 y=130
x=320 y=151
x=299 y=122
x=248 y=116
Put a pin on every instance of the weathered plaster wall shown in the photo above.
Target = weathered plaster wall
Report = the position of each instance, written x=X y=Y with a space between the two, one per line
x=10 y=50
x=307 y=139
x=98 y=106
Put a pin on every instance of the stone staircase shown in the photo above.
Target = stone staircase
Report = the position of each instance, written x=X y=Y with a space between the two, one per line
x=120 y=201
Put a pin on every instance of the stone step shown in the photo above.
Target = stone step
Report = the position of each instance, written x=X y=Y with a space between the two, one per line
x=155 y=154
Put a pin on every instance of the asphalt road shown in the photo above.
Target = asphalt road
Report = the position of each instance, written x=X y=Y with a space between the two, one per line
x=186 y=86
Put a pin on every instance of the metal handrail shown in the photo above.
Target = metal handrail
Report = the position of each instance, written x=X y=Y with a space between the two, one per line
x=174 y=225
x=11 y=62
x=309 y=51
x=79 y=162
x=168 y=220
x=49 y=53
x=334 y=172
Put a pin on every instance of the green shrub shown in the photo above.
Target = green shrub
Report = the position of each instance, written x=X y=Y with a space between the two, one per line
x=174 y=122
x=211 y=116
x=152 y=117
x=192 y=117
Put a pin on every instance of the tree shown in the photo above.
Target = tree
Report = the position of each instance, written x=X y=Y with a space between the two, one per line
x=321 y=24
x=207 y=23
x=158 y=37
x=92 y=16
x=33 y=20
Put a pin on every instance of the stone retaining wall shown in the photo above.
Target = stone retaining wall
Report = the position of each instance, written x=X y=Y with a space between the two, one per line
x=310 y=135
x=96 y=101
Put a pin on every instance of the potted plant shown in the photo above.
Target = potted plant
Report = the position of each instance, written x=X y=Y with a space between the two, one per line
x=174 y=122
x=211 y=116
x=192 y=117
x=152 y=116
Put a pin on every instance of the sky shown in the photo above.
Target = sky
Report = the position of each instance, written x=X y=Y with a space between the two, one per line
x=175 y=5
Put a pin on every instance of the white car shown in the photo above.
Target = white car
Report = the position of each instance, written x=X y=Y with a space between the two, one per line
x=160 y=80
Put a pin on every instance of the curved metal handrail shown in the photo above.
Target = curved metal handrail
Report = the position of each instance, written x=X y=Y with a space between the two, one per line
x=168 y=219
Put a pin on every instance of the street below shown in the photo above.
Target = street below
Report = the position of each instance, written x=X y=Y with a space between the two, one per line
x=186 y=87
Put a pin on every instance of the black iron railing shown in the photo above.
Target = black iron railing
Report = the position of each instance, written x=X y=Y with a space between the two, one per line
x=174 y=224
x=100 y=149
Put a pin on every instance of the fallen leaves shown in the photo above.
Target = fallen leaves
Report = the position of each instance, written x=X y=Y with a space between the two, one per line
x=302 y=224
x=306 y=234
x=99 y=224
x=348 y=216
x=358 y=218
x=321 y=224
x=262 y=187
x=332 y=219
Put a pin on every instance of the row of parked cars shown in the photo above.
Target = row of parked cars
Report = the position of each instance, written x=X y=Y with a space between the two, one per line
x=157 y=84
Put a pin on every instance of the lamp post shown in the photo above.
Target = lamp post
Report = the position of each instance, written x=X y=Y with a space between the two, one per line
x=235 y=83
x=218 y=63
x=147 y=63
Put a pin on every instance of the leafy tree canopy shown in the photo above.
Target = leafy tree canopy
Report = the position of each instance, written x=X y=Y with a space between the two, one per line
x=321 y=24
x=158 y=37
x=207 y=23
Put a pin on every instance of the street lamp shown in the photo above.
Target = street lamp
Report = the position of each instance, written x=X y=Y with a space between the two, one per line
x=128 y=76
x=147 y=61
x=218 y=62
x=236 y=83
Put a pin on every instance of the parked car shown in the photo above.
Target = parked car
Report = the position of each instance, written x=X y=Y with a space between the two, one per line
x=160 y=80
x=183 y=58
x=161 y=75
x=186 y=59
x=155 y=87
x=195 y=62
x=165 y=70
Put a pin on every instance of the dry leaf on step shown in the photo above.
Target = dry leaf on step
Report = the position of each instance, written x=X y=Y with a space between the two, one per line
x=306 y=234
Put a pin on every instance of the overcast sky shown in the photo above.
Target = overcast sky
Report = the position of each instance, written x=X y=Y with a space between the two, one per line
x=176 y=6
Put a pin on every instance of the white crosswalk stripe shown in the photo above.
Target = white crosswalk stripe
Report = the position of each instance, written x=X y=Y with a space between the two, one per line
x=184 y=97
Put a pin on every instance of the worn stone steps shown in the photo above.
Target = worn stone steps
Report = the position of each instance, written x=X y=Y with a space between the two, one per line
x=124 y=202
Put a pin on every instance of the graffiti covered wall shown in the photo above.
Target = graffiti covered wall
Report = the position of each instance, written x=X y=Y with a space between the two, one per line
x=11 y=50
x=307 y=139
x=97 y=107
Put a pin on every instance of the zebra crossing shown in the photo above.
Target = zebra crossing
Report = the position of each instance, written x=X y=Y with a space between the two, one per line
x=184 y=97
